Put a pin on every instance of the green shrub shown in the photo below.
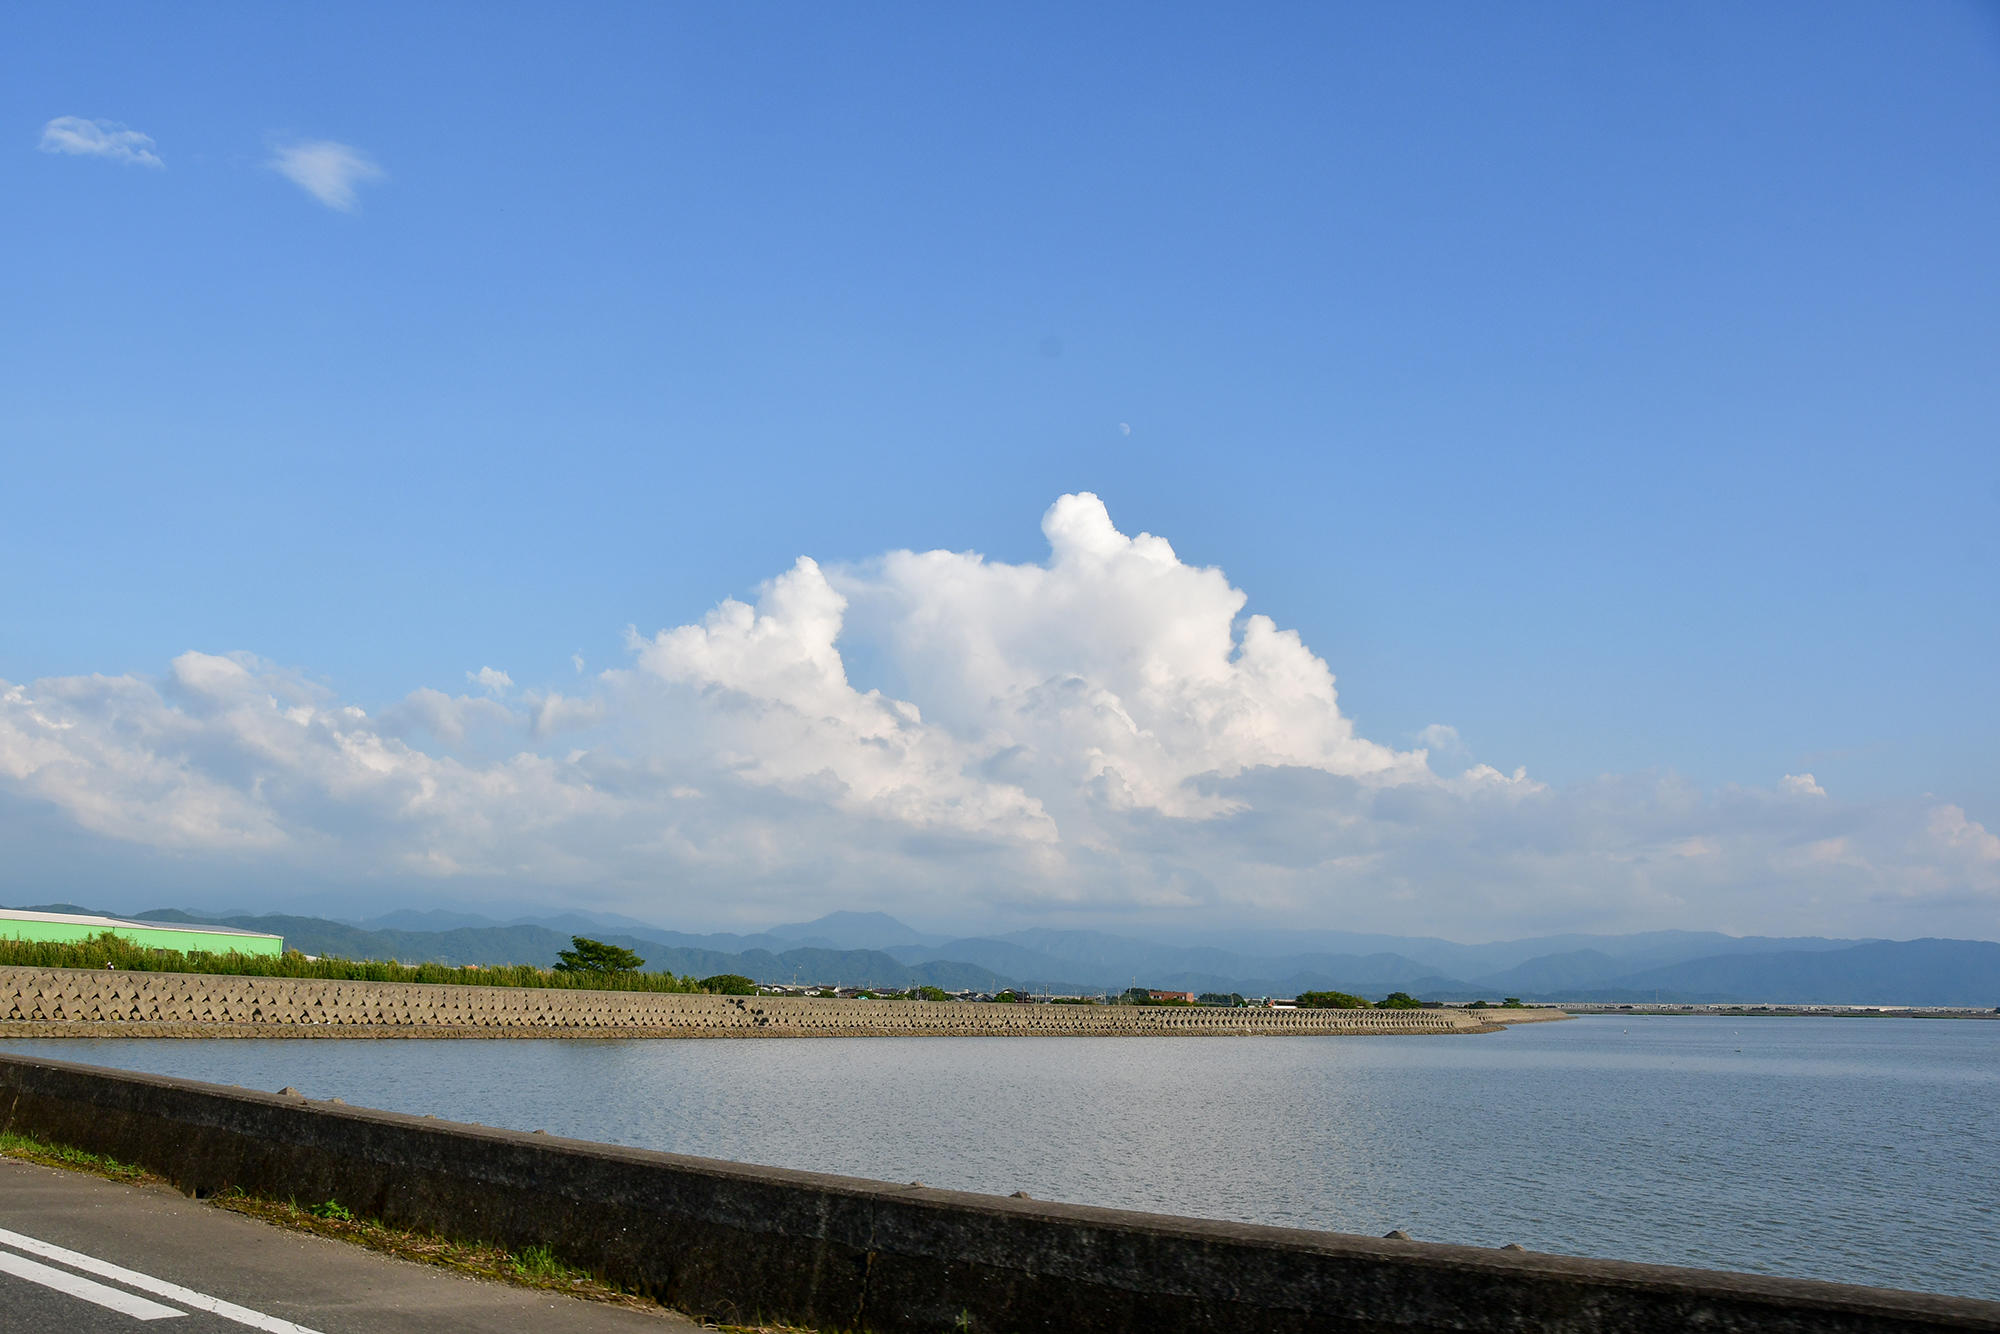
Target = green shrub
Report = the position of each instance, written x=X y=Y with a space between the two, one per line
x=594 y=956
x=1330 y=1000
x=729 y=984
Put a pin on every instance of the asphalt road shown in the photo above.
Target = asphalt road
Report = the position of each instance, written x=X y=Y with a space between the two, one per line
x=82 y=1254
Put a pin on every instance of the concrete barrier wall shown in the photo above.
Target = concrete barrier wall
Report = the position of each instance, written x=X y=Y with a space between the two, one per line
x=739 y=1243
x=75 y=1001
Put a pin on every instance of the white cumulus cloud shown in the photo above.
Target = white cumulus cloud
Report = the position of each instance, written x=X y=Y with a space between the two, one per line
x=766 y=689
x=76 y=136
x=1114 y=672
x=491 y=679
x=330 y=172
x=1968 y=838
x=1110 y=732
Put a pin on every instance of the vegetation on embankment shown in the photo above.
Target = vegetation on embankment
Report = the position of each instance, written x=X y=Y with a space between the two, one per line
x=1341 y=1000
x=530 y=1267
x=33 y=1150
x=1331 y=1000
x=110 y=951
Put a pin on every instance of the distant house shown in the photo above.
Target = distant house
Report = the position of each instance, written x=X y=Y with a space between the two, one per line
x=1186 y=996
x=1272 y=1003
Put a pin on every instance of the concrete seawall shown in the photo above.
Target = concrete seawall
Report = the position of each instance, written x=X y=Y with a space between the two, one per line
x=736 y=1243
x=79 y=1002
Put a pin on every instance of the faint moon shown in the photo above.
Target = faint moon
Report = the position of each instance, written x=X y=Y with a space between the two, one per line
x=1124 y=428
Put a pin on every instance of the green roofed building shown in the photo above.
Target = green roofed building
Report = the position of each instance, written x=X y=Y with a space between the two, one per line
x=67 y=928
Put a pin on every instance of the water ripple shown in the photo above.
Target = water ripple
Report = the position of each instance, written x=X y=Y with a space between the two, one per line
x=1860 y=1151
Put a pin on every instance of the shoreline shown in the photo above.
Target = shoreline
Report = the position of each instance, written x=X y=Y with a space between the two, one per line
x=85 y=1031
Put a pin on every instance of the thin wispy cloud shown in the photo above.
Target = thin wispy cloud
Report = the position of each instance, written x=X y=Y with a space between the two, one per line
x=77 y=136
x=329 y=171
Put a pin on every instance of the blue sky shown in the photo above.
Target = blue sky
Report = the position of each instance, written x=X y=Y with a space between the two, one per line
x=1615 y=386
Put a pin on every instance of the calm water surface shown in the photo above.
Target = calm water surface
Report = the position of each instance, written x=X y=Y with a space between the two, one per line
x=1866 y=1151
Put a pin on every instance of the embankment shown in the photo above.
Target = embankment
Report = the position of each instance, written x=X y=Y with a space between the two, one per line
x=1509 y=1018
x=738 y=1243
x=81 y=1002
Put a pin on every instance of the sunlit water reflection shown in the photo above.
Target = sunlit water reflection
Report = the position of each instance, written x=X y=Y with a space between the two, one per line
x=1865 y=1151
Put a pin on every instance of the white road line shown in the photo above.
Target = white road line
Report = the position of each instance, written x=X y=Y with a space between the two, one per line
x=122 y=1302
x=200 y=1301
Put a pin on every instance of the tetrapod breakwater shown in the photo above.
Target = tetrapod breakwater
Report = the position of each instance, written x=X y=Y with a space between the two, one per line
x=86 y=1002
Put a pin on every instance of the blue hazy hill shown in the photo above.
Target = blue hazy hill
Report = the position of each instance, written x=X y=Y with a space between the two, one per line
x=1887 y=972
x=874 y=949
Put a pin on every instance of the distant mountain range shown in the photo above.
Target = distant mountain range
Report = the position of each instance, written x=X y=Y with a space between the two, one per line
x=874 y=949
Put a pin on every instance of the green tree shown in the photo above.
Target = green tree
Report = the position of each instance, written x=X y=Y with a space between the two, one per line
x=1332 y=1000
x=1399 y=1000
x=930 y=994
x=594 y=956
x=729 y=984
